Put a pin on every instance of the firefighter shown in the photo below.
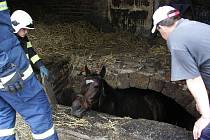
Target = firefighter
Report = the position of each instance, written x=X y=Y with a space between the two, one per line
x=22 y=23
x=20 y=91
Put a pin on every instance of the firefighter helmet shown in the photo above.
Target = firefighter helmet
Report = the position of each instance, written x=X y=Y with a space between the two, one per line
x=21 y=19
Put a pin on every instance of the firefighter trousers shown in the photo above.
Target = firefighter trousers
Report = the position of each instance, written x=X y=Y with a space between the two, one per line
x=32 y=104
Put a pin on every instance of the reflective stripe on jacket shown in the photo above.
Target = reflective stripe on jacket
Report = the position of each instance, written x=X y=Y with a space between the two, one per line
x=31 y=54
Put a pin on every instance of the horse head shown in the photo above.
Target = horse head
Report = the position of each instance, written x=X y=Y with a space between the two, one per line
x=91 y=92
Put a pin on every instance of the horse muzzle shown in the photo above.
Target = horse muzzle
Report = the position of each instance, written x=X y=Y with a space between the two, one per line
x=78 y=112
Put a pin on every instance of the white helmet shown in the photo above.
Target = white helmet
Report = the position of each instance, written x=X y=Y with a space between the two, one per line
x=21 y=19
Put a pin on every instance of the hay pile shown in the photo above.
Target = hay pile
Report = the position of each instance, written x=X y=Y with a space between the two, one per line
x=81 y=43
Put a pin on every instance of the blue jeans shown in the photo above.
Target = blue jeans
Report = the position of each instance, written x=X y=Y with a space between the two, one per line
x=205 y=135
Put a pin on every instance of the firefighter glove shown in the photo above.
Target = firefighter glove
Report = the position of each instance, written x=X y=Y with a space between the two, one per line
x=44 y=71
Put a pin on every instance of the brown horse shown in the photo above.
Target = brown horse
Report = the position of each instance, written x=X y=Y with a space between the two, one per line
x=98 y=95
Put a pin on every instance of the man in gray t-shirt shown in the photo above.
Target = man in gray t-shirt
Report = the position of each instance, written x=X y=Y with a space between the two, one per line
x=190 y=40
x=189 y=44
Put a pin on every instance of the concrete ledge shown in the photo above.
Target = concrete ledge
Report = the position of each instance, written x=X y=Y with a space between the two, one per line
x=99 y=126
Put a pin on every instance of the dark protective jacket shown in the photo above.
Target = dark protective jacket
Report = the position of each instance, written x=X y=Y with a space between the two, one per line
x=31 y=54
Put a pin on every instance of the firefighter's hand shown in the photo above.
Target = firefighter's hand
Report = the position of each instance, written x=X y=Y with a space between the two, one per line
x=44 y=71
x=199 y=126
x=11 y=79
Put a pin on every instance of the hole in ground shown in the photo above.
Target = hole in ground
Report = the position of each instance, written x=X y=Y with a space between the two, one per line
x=134 y=102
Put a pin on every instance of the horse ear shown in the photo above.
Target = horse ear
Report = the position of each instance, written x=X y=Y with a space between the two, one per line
x=87 y=71
x=103 y=71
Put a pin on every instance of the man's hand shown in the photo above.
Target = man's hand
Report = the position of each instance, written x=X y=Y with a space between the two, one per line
x=43 y=71
x=200 y=124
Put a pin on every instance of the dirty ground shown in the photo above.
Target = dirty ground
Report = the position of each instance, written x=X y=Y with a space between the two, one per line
x=99 y=126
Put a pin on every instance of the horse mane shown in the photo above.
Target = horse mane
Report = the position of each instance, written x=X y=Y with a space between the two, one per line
x=107 y=86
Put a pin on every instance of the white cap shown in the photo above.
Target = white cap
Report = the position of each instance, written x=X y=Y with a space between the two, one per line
x=161 y=14
x=21 y=19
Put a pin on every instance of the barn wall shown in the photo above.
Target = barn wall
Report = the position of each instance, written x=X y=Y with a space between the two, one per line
x=122 y=14
x=65 y=10
x=131 y=15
